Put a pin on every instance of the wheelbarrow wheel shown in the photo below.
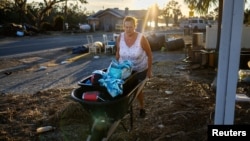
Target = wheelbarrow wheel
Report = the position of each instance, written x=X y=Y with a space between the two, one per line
x=99 y=130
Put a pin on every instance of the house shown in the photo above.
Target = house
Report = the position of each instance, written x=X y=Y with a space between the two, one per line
x=111 y=19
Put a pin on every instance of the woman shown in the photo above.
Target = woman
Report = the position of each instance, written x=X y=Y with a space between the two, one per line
x=133 y=46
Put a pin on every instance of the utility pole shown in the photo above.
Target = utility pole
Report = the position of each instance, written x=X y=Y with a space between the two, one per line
x=65 y=15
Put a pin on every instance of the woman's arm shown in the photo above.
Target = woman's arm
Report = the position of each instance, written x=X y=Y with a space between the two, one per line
x=147 y=48
x=117 y=55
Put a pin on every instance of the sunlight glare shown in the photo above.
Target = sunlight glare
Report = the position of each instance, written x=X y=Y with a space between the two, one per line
x=145 y=4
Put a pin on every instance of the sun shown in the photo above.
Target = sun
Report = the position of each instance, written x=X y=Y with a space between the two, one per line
x=145 y=4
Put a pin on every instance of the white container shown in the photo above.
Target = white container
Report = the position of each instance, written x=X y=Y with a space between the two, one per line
x=197 y=39
x=245 y=37
x=211 y=37
x=84 y=27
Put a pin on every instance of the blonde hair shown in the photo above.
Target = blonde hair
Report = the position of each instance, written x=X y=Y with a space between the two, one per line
x=130 y=19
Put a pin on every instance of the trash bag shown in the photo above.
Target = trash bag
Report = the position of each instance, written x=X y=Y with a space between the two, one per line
x=19 y=33
x=79 y=50
x=156 y=41
x=175 y=44
x=96 y=76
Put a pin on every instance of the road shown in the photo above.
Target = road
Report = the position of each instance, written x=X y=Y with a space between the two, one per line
x=25 y=45
x=21 y=45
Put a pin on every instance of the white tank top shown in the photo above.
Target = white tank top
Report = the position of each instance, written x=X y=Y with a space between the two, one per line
x=134 y=53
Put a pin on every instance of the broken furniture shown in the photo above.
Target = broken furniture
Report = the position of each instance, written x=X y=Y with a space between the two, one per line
x=108 y=45
x=94 y=47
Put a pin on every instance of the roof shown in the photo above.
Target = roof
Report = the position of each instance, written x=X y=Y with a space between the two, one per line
x=139 y=14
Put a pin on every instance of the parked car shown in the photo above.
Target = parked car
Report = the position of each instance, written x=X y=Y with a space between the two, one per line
x=184 y=24
x=197 y=24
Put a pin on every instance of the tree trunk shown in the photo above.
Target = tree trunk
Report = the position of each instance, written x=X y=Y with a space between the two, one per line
x=166 y=20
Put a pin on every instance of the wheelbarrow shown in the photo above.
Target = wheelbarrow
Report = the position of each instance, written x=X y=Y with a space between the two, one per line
x=108 y=114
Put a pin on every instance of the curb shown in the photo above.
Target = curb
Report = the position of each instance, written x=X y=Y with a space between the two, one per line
x=75 y=58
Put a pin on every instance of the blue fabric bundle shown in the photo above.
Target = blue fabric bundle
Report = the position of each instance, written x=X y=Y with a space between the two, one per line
x=120 y=70
x=113 y=80
x=114 y=86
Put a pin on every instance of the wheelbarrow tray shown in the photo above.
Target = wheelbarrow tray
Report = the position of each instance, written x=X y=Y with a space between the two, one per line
x=115 y=108
x=128 y=84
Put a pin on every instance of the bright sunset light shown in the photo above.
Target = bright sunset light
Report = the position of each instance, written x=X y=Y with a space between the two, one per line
x=95 y=5
x=145 y=4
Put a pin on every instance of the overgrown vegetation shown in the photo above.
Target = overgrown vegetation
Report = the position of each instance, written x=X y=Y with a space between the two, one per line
x=51 y=14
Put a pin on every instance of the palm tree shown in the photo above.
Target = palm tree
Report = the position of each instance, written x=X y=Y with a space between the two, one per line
x=172 y=10
x=202 y=6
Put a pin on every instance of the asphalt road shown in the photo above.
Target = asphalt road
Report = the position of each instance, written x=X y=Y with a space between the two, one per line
x=24 y=45
x=12 y=46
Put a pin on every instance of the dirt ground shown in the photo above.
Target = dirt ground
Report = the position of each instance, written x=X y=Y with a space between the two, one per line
x=182 y=115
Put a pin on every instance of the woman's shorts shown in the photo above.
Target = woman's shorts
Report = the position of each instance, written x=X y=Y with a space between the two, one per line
x=141 y=75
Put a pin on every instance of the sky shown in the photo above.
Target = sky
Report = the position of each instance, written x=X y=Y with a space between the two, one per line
x=95 y=5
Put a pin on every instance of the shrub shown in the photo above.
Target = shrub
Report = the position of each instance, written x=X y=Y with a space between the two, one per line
x=45 y=26
x=58 y=23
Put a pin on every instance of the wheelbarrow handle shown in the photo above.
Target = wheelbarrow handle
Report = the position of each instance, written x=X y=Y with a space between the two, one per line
x=138 y=89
